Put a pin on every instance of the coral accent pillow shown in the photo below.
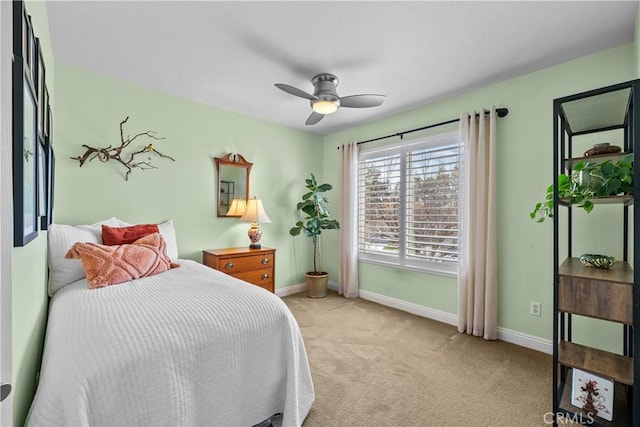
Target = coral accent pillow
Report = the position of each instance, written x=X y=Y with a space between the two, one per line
x=126 y=235
x=108 y=265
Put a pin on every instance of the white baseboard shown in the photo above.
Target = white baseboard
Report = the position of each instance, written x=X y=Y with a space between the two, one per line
x=525 y=340
x=410 y=307
x=504 y=334
x=301 y=287
x=290 y=290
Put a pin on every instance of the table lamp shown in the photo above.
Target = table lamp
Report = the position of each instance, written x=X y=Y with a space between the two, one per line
x=255 y=214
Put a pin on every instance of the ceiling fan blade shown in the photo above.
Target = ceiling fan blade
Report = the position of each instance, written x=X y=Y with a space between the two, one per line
x=362 y=101
x=314 y=118
x=295 y=91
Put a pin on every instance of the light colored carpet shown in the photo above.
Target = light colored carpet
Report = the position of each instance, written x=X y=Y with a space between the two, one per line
x=377 y=366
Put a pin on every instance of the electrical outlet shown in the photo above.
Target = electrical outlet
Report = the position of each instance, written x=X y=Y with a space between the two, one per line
x=535 y=308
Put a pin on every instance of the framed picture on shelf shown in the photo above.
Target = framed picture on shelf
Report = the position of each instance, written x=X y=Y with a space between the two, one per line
x=593 y=394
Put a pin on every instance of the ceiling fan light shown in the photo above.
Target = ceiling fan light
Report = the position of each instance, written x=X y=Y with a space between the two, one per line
x=324 y=106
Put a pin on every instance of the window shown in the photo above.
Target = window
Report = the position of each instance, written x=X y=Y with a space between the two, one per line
x=408 y=204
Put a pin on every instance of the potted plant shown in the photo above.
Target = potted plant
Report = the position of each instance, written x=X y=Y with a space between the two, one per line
x=314 y=207
x=588 y=181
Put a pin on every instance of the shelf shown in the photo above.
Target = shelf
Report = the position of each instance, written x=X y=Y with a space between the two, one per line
x=610 y=365
x=620 y=272
x=596 y=292
x=599 y=112
x=601 y=158
x=620 y=409
x=625 y=199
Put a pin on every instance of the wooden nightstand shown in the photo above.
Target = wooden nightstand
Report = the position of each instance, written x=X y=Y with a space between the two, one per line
x=257 y=266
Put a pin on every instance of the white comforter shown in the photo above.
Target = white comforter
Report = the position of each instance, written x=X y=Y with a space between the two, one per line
x=190 y=346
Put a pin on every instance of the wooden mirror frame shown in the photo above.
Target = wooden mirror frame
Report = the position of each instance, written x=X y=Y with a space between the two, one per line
x=224 y=201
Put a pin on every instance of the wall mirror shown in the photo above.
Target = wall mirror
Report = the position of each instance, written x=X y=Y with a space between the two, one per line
x=233 y=184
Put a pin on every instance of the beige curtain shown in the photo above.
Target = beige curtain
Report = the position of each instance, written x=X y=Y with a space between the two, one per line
x=478 y=266
x=348 y=217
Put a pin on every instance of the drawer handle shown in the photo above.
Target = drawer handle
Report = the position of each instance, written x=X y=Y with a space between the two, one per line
x=265 y=260
x=265 y=276
x=229 y=266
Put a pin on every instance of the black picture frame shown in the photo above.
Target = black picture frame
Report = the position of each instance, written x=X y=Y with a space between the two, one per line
x=25 y=191
x=41 y=87
x=22 y=49
x=51 y=173
x=47 y=112
x=42 y=177
x=33 y=55
x=49 y=124
x=45 y=181
x=33 y=158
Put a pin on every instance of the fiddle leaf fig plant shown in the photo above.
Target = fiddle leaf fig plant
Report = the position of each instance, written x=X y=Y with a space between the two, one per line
x=314 y=207
x=588 y=180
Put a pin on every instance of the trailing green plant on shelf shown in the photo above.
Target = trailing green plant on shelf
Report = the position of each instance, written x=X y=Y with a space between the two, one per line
x=588 y=180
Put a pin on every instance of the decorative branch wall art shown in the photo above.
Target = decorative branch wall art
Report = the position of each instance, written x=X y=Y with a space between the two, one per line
x=129 y=161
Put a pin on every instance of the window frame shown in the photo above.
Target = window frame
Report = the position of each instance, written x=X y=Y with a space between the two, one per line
x=401 y=260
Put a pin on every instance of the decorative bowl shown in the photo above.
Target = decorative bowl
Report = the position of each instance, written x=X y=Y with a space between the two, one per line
x=602 y=148
x=597 y=261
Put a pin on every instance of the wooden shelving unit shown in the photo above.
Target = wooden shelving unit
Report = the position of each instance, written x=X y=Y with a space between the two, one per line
x=613 y=294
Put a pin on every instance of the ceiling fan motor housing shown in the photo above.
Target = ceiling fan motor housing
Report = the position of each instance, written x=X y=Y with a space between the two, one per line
x=325 y=88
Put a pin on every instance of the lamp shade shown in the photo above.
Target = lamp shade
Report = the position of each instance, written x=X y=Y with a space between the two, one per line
x=237 y=208
x=255 y=212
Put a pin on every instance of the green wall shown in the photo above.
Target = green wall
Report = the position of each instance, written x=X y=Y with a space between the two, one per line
x=29 y=271
x=89 y=110
x=524 y=159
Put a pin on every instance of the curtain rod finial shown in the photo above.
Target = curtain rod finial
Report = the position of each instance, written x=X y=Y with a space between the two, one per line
x=502 y=112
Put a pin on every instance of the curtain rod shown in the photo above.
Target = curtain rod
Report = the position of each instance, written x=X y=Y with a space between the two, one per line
x=500 y=112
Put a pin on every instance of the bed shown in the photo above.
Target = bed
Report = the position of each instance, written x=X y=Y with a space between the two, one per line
x=188 y=346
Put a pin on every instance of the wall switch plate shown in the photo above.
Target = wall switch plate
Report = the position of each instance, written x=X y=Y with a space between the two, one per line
x=535 y=308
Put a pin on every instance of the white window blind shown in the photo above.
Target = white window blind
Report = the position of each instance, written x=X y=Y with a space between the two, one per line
x=408 y=204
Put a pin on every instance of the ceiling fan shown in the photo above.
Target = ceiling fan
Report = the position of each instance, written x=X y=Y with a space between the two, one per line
x=325 y=99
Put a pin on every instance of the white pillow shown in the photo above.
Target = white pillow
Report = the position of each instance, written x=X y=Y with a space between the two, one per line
x=168 y=234
x=60 y=238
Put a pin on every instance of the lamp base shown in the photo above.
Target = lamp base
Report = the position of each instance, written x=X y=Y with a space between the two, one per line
x=255 y=233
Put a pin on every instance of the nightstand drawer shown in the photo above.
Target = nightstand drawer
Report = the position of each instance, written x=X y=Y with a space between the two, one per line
x=232 y=265
x=262 y=278
x=256 y=266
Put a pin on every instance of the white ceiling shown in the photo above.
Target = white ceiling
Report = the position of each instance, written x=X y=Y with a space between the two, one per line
x=229 y=54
